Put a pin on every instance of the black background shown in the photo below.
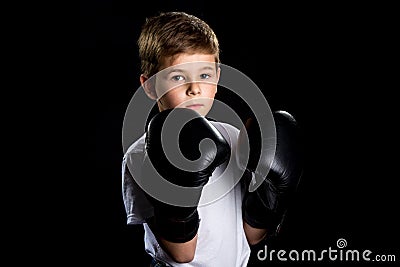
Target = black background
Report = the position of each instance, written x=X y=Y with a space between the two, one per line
x=334 y=67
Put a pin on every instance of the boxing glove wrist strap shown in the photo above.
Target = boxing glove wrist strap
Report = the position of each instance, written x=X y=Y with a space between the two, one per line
x=257 y=215
x=177 y=230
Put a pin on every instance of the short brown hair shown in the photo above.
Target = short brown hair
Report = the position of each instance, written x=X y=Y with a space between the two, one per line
x=171 y=33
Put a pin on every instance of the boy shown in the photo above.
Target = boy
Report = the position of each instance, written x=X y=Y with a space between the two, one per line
x=213 y=234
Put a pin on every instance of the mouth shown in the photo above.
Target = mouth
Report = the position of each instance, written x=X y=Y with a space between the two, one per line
x=195 y=106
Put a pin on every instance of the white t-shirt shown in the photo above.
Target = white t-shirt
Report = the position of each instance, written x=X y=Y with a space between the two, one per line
x=221 y=238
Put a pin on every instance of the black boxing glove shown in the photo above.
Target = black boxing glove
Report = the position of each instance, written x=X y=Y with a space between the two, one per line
x=180 y=223
x=265 y=207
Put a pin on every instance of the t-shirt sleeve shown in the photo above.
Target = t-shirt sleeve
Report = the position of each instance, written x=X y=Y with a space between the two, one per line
x=137 y=207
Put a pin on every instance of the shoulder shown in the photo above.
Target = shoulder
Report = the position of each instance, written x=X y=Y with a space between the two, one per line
x=136 y=147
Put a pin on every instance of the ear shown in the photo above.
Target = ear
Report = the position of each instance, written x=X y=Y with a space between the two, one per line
x=218 y=76
x=148 y=86
x=218 y=73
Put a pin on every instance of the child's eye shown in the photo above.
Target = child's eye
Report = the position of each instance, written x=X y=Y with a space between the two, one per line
x=205 y=76
x=178 y=78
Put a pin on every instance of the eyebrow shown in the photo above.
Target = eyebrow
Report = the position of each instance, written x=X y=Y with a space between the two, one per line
x=183 y=70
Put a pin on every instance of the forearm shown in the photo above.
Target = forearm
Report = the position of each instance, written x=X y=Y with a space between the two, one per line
x=264 y=208
x=180 y=252
x=176 y=224
x=254 y=235
x=178 y=239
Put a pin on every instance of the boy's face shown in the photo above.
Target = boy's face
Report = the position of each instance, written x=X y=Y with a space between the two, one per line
x=187 y=81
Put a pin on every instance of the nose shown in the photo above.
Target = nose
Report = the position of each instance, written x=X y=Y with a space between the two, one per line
x=194 y=89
